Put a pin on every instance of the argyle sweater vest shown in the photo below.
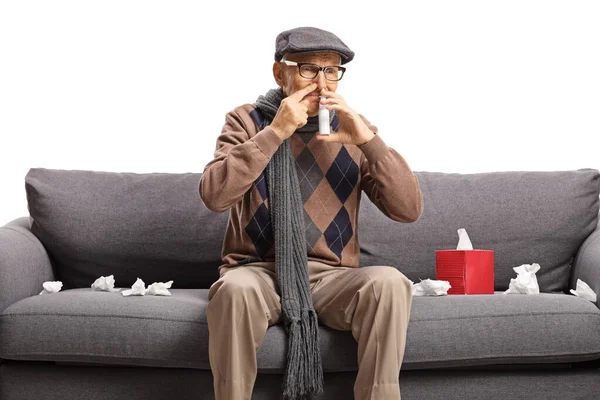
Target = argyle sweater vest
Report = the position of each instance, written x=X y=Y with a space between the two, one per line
x=331 y=176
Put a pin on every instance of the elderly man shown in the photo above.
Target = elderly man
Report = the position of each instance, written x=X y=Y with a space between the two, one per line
x=291 y=251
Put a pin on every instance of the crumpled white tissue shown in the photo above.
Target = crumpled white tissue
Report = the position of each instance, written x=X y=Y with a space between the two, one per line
x=159 y=289
x=156 y=289
x=526 y=281
x=105 y=283
x=429 y=287
x=464 y=243
x=138 y=289
x=51 y=287
x=585 y=291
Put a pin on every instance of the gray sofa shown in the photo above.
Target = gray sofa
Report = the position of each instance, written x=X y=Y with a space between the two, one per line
x=84 y=344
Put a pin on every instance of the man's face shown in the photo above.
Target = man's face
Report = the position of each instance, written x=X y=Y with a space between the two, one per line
x=288 y=77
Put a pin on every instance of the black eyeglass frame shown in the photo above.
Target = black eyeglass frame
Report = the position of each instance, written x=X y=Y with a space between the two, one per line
x=299 y=65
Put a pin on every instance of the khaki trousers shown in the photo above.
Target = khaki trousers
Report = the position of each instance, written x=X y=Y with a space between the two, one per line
x=372 y=302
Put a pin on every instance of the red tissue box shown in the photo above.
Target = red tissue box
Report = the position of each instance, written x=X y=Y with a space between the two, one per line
x=468 y=271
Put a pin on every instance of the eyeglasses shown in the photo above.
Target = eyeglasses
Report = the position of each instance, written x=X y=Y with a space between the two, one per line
x=310 y=71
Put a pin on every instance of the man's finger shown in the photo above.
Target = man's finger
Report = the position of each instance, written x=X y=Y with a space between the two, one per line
x=299 y=95
x=306 y=102
x=325 y=137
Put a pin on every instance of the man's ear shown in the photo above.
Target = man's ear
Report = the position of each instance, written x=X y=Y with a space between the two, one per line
x=278 y=74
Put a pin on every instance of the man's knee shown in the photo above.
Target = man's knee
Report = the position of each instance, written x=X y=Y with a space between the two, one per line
x=389 y=279
x=234 y=286
x=239 y=291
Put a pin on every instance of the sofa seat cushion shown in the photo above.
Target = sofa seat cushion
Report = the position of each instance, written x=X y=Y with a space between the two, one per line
x=459 y=330
x=80 y=325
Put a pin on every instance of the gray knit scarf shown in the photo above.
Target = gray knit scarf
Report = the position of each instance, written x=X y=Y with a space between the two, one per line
x=304 y=373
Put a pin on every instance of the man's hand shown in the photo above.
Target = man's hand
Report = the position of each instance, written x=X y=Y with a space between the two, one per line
x=293 y=112
x=352 y=129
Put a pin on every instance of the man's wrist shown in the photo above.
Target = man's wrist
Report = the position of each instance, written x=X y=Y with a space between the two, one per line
x=277 y=131
x=366 y=139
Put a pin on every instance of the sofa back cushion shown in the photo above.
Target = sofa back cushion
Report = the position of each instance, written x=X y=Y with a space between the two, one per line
x=525 y=217
x=153 y=226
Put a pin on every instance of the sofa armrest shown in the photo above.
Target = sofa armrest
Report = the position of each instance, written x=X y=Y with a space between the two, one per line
x=24 y=263
x=586 y=265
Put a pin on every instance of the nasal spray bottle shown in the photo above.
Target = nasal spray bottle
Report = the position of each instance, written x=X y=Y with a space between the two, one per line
x=323 y=118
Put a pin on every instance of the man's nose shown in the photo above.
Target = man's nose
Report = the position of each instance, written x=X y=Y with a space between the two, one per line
x=321 y=81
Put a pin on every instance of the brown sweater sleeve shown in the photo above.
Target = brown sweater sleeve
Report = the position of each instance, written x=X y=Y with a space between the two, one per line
x=388 y=180
x=238 y=161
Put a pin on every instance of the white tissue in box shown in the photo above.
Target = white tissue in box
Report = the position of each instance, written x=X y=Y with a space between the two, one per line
x=464 y=243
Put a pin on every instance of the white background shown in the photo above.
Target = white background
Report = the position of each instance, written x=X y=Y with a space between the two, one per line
x=144 y=86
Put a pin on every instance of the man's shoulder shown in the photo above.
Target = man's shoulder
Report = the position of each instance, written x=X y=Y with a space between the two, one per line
x=244 y=109
x=244 y=114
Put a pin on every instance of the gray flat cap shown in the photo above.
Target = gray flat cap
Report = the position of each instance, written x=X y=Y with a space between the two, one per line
x=308 y=40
